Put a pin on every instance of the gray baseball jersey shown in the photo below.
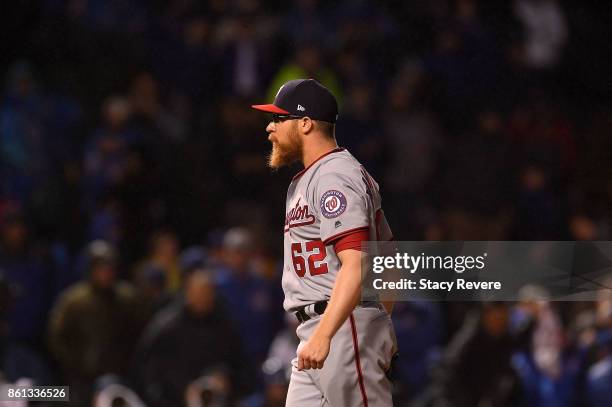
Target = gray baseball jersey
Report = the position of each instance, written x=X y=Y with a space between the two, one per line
x=332 y=198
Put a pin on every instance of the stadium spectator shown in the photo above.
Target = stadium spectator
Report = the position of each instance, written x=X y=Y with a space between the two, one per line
x=583 y=227
x=308 y=62
x=150 y=114
x=253 y=302
x=5 y=302
x=30 y=272
x=305 y=19
x=414 y=143
x=24 y=146
x=491 y=172
x=599 y=376
x=95 y=323
x=545 y=32
x=491 y=379
x=548 y=372
x=164 y=254
x=151 y=285
x=244 y=58
x=105 y=155
x=418 y=327
x=358 y=127
x=181 y=56
x=536 y=205
x=187 y=340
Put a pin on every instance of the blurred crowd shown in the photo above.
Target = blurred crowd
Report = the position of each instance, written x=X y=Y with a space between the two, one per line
x=140 y=229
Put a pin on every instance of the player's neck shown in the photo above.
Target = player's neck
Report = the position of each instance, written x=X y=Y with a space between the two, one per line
x=316 y=150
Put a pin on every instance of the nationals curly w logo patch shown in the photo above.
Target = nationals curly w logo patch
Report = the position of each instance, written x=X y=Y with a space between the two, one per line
x=333 y=204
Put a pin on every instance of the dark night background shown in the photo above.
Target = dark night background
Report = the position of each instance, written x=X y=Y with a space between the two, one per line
x=127 y=124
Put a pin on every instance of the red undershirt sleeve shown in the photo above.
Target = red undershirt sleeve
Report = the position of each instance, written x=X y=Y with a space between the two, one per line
x=351 y=241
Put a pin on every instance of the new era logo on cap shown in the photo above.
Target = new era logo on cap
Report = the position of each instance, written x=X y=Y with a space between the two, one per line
x=294 y=95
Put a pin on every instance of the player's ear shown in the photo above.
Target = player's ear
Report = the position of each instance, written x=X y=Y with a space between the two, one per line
x=306 y=125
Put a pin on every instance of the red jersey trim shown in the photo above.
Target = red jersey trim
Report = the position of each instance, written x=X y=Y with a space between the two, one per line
x=342 y=234
x=364 y=396
x=352 y=241
x=299 y=174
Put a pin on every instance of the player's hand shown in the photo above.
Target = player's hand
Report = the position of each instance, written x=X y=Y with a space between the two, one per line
x=313 y=354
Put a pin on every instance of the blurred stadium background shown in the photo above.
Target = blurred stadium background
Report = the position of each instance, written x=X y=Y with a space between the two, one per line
x=140 y=230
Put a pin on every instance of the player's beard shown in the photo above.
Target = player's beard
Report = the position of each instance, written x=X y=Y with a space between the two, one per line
x=286 y=153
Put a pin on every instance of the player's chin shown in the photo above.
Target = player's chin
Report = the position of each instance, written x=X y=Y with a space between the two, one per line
x=276 y=159
x=282 y=156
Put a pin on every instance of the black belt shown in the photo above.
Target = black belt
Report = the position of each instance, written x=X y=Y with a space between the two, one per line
x=309 y=311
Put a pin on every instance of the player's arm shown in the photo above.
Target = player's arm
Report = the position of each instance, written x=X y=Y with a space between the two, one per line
x=345 y=296
x=393 y=274
x=388 y=247
x=388 y=306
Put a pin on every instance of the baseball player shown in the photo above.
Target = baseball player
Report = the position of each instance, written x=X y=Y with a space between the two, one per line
x=346 y=344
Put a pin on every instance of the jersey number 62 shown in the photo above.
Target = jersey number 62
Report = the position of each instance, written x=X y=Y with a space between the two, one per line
x=317 y=251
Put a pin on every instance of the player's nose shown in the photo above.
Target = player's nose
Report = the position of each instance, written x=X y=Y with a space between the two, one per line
x=270 y=127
